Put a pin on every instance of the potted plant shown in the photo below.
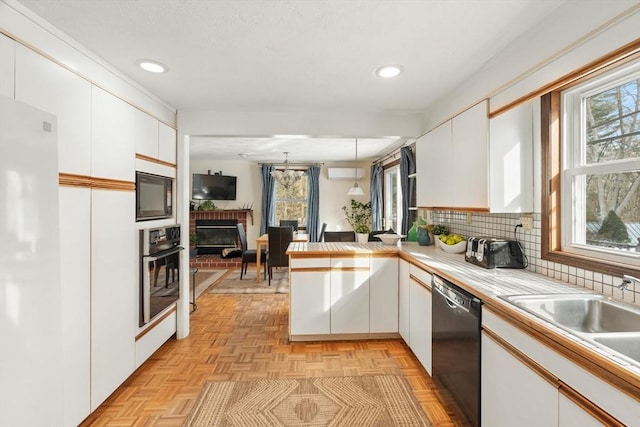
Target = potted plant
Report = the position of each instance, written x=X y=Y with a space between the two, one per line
x=193 y=241
x=207 y=205
x=358 y=215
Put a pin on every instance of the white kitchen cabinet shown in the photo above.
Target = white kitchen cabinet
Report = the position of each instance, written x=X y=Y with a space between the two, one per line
x=7 y=69
x=403 y=300
x=433 y=167
x=75 y=273
x=570 y=414
x=350 y=295
x=420 y=322
x=467 y=169
x=511 y=393
x=114 y=286
x=166 y=144
x=310 y=297
x=50 y=87
x=112 y=137
x=511 y=159
x=383 y=294
x=146 y=134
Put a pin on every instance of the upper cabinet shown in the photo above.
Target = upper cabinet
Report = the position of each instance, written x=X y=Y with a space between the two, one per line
x=154 y=139
x=472 y=163
x=52 y=88
x=112 y=137
x=7 y=58
x=511 y=159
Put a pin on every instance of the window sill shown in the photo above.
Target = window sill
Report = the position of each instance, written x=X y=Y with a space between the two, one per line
x=591 y=264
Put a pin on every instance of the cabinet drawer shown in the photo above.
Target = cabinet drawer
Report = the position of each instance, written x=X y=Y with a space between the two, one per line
x=351 y=262
x=420 y=274
x=310 y=263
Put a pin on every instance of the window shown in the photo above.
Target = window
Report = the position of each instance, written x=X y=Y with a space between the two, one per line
x=392 y=199
x=291 y=203
x=593 y=169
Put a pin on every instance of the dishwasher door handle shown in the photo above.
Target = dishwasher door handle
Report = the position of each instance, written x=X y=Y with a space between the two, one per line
x=449 y=301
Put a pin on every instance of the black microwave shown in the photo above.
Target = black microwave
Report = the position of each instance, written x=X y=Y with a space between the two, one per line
x=154 y=196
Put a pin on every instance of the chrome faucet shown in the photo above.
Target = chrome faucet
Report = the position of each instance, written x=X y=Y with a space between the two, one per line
x=626 y=281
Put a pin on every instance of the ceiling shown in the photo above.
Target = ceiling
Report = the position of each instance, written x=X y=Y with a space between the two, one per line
x=296 y=56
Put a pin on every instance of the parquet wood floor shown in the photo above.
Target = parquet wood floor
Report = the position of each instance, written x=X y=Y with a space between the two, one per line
x=236 y=337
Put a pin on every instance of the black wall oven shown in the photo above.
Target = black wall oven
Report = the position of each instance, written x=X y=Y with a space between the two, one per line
x=159 y=270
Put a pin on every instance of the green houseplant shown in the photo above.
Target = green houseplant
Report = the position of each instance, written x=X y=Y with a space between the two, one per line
x=193 y=242
x=358 y=215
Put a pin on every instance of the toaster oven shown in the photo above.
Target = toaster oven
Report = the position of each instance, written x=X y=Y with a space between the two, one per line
x=489 y=252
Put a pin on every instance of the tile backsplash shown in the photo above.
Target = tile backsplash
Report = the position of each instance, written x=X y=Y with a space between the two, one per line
x=503 y=226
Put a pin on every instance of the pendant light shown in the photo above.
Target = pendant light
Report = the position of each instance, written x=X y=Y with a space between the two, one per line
x=355 y=190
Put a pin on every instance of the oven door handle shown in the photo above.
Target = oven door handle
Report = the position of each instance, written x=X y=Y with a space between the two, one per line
x=451 y=303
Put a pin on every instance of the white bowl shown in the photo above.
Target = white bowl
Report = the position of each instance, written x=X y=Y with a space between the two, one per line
x=458 y=248
x=389 y=239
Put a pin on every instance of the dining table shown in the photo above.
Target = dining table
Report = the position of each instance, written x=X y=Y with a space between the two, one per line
x=263 y=242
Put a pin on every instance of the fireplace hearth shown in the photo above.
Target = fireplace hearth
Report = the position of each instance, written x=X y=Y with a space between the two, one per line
x=216 y=235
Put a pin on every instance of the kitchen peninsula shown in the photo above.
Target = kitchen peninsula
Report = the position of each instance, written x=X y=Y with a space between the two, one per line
x=361 y=291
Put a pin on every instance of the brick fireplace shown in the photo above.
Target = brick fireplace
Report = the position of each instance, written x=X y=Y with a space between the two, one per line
x=214 y=260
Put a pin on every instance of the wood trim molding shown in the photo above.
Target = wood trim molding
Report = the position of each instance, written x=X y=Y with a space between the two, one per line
x=112 y=184
x=85 y=181
x=420 y=282
x=156 y=322
x=154 y=160
x=588 y=406
x=526 y=360
x=627 y=52
x=309 y=269
x=455 y=208
x=72 y=180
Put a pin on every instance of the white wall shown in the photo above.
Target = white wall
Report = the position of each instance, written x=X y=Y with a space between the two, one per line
x=333 y=194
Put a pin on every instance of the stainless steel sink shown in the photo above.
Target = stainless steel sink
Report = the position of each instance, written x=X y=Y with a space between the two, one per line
x=626 y=344
x=581 y=313
x=607 y=323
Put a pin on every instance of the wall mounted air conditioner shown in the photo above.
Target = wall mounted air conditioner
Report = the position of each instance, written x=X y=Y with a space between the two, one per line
x=345 y=173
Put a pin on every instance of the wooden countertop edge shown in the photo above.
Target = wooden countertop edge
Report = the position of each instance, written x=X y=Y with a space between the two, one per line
x=593 y=362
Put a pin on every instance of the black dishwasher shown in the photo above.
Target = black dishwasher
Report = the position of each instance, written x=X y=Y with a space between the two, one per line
x=456 y=346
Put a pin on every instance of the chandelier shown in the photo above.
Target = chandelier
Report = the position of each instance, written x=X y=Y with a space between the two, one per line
x=287 y=177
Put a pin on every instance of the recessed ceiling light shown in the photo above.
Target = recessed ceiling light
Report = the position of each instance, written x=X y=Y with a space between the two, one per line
x=388 y=71
x=152 y=66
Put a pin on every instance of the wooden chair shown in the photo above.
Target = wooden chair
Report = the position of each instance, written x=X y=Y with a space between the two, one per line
x=249 y=255
x=279 y=239
x=339 y=236
x=289 y=223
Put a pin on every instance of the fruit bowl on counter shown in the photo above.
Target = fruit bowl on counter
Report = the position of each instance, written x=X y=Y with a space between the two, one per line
x=452 y=243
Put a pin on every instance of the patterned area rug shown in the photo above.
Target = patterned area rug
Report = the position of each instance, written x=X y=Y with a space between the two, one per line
x=231 y=283
x=380 y=400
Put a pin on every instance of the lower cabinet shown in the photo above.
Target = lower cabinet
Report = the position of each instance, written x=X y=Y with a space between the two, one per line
x=383 y=294
x=420 y=322
x=113 y=291
x=403 y=300
x=350 y=295
x=310 y=297
x=511 y=393
x=571 y=414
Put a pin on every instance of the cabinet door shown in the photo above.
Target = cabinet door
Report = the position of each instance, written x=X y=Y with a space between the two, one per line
x=511 y=393
x=433 y=167
x=75 y=272
x=112 y=137
x=167 y=144
x=349 y=295
x=7 y=59
x=570 y=414
x=114 y=287
x=146 y=135
x=420 y=323
x=403 y=300
x=383 y=293
x=310 y=302
x=511 y=160
x=48 y=86
x=468 y=168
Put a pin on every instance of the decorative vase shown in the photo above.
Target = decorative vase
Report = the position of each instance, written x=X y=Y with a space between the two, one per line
x=423 y=237
x=362 y=237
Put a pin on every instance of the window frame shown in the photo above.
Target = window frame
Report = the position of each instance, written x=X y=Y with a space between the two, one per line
x=301 y=226
x=552 y=169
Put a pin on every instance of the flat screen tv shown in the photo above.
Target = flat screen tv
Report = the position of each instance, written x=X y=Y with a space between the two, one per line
x=213 y=187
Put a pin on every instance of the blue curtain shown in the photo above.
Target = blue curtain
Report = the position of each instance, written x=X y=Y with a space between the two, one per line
x=268 y=212
x=376 y=196
x=407 y=167
x=313 y=205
